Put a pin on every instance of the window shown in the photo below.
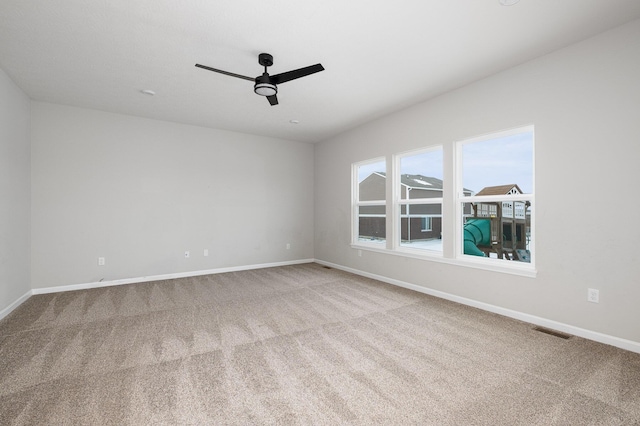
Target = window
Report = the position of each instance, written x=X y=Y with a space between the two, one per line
x=369 y=195
x=419 y=190
x=468 y=203
x=495 y=196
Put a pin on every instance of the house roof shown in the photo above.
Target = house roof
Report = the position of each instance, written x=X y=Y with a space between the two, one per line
x=418 y=181
x=421 y=182
x=499 y=189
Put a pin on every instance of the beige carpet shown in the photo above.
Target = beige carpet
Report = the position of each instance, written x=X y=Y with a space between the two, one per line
x=297 y=345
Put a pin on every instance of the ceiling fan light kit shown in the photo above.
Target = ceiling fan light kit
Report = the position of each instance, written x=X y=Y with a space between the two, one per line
x=265 y=89
x=263 y=86
x=266 y=85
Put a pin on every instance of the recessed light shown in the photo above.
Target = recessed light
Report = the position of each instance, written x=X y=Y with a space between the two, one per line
x=148 y=92
x=508 y=2
x=294 y=121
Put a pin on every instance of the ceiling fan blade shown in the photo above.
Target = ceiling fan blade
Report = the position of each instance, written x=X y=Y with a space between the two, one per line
x=273 y=100
x=225 y=72
x=292 y=75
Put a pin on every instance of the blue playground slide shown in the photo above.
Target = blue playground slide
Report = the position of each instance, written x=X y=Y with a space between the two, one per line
x=476 y=232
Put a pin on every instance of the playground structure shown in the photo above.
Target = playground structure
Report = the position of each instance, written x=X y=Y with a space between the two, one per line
x=498 y=227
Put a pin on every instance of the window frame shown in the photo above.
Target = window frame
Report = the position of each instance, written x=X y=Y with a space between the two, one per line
x=526 y=268
x=398 y=202
x=452 y=201
x=356 y=203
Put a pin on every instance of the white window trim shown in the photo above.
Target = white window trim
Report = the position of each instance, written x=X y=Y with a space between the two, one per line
x=356 y=204
x=398 y=201
x=452 y=193
x=528 y=269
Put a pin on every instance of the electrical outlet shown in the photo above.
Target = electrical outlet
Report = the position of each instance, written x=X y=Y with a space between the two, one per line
x=359 y=253
x=206 y=252
x=101 y=261
x=593 y=295
x=186 y=254
x=288 y=246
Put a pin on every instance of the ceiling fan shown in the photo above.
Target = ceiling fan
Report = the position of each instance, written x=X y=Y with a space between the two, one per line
x=265 y=84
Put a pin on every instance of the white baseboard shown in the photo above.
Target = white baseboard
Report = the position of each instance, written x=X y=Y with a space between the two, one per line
x=99 y=284
x=6 y=311
x=629 y=345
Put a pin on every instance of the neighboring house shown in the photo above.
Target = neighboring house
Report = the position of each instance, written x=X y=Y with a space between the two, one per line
x=372 y=219
x=418 y=221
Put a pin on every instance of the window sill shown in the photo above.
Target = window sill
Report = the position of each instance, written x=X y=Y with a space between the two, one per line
x=493 y=265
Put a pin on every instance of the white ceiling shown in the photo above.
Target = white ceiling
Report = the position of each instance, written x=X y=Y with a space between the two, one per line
x=379 y=56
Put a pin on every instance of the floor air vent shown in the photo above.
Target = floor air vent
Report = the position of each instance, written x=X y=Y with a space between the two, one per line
x=552 y=332
x=326 y=267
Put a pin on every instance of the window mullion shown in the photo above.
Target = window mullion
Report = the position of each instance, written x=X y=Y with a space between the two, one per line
x=421 y=201
x=392 y=205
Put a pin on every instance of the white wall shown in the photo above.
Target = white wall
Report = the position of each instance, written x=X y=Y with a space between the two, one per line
x=140 y=192
x=14 y=194
x=585 y=104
